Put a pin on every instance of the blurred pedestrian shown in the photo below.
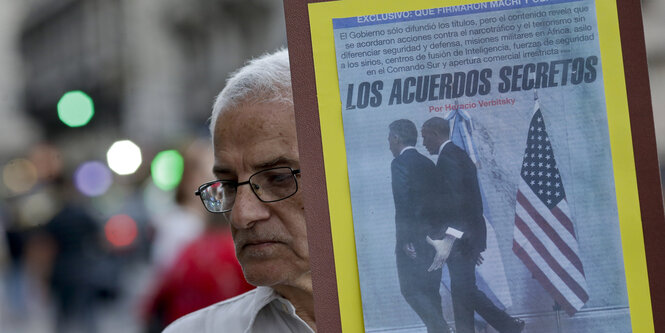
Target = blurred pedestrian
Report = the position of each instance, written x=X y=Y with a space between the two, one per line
x=76 y=279
x=78 y=272
x=205 y=270
x=179 y=224
x=205 y=273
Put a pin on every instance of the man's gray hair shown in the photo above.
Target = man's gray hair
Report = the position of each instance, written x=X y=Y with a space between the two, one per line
x=405 y=131
x=266 y=79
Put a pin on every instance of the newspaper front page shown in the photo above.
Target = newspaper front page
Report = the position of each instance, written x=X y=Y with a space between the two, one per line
x=520 y=84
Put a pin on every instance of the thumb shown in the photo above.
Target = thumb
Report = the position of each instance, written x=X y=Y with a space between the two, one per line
x=430 y=241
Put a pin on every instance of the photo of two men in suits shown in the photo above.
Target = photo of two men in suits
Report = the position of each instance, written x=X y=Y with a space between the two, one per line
x=439 y=220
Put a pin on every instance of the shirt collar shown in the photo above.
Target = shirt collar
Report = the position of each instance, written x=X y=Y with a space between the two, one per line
x=406 y=148
x=443 y=145
x=263 y=297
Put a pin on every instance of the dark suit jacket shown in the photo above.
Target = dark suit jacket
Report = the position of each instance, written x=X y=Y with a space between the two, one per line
x=414 y=192
x=462 y=206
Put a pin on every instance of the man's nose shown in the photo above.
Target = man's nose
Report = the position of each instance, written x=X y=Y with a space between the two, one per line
x=247 y=208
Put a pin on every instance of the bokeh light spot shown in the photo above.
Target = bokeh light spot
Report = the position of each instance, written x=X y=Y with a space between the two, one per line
x=93 y=178
x=120 y=230
x=124 y=157
x=75 y=108
x=19 y=175
x=166 y=169
x=48 y=161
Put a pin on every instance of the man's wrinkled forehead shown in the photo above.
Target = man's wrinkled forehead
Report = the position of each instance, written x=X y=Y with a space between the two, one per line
x=239 y=116
x=256 y=136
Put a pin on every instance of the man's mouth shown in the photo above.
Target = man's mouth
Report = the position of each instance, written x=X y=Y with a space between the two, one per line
x=259 y=243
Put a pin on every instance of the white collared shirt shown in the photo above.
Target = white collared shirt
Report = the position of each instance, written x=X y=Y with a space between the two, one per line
x=256 y=311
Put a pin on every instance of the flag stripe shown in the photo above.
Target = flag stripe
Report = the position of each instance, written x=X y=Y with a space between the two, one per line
x=542 y=266
x=554 y=264
x=563 y=218
x=544 y=211
x=549 y=247
x=546 y=227
x=543 y=279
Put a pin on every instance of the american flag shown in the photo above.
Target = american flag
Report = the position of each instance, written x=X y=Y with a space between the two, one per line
x=544 y=235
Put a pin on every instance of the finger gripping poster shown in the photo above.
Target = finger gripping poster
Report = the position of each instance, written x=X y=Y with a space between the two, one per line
x=480 y=169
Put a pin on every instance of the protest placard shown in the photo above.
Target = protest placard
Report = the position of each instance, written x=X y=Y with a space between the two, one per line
x=536 y=96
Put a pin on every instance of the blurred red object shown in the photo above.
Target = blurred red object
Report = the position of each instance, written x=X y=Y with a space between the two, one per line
x=121 y=230
x=206 y=272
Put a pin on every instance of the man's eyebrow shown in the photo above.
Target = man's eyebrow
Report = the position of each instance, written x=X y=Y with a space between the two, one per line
x=279 y=161
x=217 y=170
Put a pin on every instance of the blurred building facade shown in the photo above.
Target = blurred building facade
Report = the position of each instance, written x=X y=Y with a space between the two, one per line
x=152 y=67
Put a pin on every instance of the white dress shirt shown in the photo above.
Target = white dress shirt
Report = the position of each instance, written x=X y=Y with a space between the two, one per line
x=258 y=310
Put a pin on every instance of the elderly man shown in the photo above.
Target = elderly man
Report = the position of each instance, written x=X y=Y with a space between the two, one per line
x=257 y=167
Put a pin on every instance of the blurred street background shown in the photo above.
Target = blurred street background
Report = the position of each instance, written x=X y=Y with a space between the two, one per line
x=103 y=141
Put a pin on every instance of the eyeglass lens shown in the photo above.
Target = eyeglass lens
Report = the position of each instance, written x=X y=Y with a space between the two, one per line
x=273 y=184
x=268 y=185
x=216 y=196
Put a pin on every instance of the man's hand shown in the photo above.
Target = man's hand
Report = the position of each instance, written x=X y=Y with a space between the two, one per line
x=479 y=259
x=442 y=247
x=410 y=250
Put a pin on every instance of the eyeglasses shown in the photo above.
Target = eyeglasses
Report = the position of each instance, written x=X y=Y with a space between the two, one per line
x=268 y=185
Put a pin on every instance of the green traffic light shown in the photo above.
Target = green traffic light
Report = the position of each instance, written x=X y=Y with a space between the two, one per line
x=166 y=169
x=75 y=108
